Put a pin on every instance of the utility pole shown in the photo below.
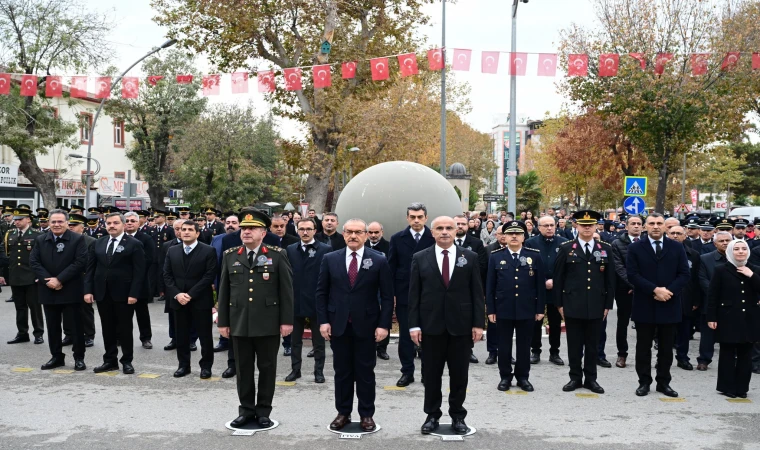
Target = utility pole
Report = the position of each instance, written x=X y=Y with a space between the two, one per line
x=443 y=91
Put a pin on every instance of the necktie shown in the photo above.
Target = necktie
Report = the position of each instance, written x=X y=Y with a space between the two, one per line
x=657 y=248
x=515 y=258
x=417 y=237
x=353 y=269
x=459 y=242
x=187 y=249
x=250 y=258
x=588 y=251
x=445 y=268
x=109 y=251
x=635 y=239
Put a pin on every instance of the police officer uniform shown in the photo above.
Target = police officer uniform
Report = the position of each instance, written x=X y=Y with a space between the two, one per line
x=160 y=235
x=213 y=227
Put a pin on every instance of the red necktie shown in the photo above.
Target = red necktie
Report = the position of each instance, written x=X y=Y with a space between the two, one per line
x=353 y=269
x=445 y=268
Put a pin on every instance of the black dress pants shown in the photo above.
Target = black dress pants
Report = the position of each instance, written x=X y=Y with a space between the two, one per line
x=88 y=322
x=261 y=353
x=523 y=330
x=188 y=319
x=317 y=341
x=452 y=351
x=624 y=302
x=734 y=368
x=555 y=331
x=54 y=314
x=582 y=345
x=666 y=335
x=116 y=324
x=143 y=319
x=405 y=344
x=354 y=360
x=25 y=301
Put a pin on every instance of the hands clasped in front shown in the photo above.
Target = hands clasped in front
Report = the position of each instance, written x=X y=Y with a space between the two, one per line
x=662 y=294
x=326 y=331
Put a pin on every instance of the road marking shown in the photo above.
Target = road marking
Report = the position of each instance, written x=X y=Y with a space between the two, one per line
x=112 y=373
x=394 y=388
x=148 y=375
x=584 y=395
x=285 y=383
x=739 y=400
x=673 y=400
x=63 y=371
x=211 y=379
x=511 y=392
x=22 y=369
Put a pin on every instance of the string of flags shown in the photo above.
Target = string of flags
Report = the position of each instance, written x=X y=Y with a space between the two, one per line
x=578 y=66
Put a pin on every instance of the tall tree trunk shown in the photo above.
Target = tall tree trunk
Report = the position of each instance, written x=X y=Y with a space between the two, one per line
x=44 y=182
x=156 y=192
x=662 y=181
x=318 y=182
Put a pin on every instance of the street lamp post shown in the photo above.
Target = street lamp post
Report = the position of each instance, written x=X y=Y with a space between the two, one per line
x=512 y=167
x=443 y=91
x=351 y=162
x=166 y=44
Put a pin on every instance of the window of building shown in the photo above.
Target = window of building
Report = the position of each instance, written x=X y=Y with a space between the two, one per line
x=118 y=134
x=85 y=125
x=120 y=175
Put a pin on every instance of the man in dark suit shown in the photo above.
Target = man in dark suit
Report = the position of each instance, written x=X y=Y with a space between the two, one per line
x=58 y=260
x=77 y=225
x=691 y=298
x=353 y=320
x=306 y=258
x=492 y=333
x=706 y=269
x=189 y=273
x=447 y=312
x=172 y=345
x=377 y=242
x=205 y=234
x=705 y=242
x=403 y=246
x=329 y=234
x=115 y=275
x=584 y=285
x=131 y=226
x=658 y=269
x=255 y=307
x=467 y=241
x=279 y=222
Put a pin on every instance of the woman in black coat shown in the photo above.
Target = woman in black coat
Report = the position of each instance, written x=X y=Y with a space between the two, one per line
x=733 y=311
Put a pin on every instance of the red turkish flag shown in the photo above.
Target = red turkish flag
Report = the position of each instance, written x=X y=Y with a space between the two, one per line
x=547 y=64
x=518 y=63
x=408 y=64
x=756 y=61
x=730 y=61
x=78 y=87
x=154 y=79
x=102 y=87
x=699 y=63
x=130 y=87
x=322 y=76
x=53 y=87
x=348 y=70
x=577 y=65
x=265 y=80
x=379 y=68
x=239 y=82
x=608 y=64
x=435 y=59
x=461 y=59
x=292 y=79
x=210 y=84
x=489 y=62
x=29 y=85
x=641 y=58
x=184 y=79
x=5 y=83
x=660 y=61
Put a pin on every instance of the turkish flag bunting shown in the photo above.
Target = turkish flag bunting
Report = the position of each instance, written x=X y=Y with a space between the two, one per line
x=211 y=84
x=489 y=62
x=5 y=83
x=266 y=81
x=154 y=79
x=547 y=64
x=461 y=59
x=29 y=85
x=755 y=62
x=699 y=63
x=608 y=64
x=102 y=87
x=641 y=58
x=435 y=59
x=577 y=65
x=408 y=64
x=348 y=70
x=293 y=79
x=518 y=63
x=239 y=82
x=53 y=86
x=130 y=87
x=379 y=67
x=78 y=87
x=730 y=61
x=184 y=79
x=322 y=76
x=660 y=60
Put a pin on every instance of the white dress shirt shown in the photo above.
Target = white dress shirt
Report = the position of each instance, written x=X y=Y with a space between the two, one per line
x=439 y=259
x=303 y=246
x=359 y=254
x=248 y=252
x=192 y=246
x=583 y=244
x=116 y=244
x=654 y=247
x=415 y=232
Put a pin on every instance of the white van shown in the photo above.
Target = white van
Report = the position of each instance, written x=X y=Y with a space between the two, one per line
x=748 y=212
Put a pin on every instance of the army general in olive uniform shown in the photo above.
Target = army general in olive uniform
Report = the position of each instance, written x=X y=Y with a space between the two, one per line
x=255 y=308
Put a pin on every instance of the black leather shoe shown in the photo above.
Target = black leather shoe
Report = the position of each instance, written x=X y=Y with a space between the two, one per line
x=287 y=351
x=555 y=359
x=193 y=346
x=240 y=421
x=66 y=341
x=504 y=384
x=602 y=362
x=181 y=372
x=53 y=363
x=310 y=354
x=742 y=395
x=105 y=367
x=221 y=348
x=728 y=394
x=430 y=425
x=293 y=376
x=127 y=369
x=39 y=340
x=525 y=385
x=535 y=358
x=10 y=300
x=383 y=355
x=492 y=359
x=685 y=365
x=265 y=422
x=89 y=342
x=147 y=345
x=642 y=390
x=229 y=372
x=79 y=365
x=205 y=374
x=667 y=390
x=572 y=385
x=459 y=426
x=594 y=387
x=20 y=338
x=405 y=380
x=339 y=422
x=319 y=377
x=473 y=359
x=170 y=346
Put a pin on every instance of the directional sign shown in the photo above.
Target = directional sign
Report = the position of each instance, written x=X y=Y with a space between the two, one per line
x=634 y=205
x=635 y=186
x=493 y=197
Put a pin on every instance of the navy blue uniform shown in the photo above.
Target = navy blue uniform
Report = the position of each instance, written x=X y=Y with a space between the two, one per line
x=548 y=248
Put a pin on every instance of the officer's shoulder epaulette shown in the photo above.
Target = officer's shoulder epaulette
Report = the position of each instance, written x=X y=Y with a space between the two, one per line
x=230 y=250
x=531 y=249
x=605 y=244
x=497 y=250
x=274 y=247
x=567 y=242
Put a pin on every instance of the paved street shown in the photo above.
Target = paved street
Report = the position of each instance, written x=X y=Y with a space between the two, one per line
x=84 y=410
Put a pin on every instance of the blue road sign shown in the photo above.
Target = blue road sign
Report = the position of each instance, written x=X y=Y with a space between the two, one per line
x=635 y=186
x=634 y=205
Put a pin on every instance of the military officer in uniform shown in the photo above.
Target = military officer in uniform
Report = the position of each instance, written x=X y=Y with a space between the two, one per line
x=94 y=227
x=255 y=308
x=214 y=227
x=160 y=233
x=584 y=285
x=515 y=300
x=171 y=216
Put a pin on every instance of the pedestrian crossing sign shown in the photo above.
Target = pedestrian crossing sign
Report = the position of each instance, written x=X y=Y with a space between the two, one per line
x=635 y=186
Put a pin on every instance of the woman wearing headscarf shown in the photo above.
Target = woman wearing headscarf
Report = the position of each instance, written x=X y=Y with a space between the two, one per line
x=488 y=234
x=733 y=311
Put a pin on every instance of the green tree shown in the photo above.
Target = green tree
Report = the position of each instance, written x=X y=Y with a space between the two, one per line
x=40 y=37
x=159 y=114
x=474 y=196
x=528 y=190
x=751 y=169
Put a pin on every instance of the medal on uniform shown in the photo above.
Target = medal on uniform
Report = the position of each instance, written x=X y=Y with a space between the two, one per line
x=522 y=260
x=312 y=252
x=598 y=256
x=529 y=260
x=60 y=247
x=262 y=260
x=461 y=261
x=502 y=262
x=266 y=276
x=366 y=264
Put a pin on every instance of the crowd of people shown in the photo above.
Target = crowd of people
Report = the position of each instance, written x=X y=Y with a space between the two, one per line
x=265 y=280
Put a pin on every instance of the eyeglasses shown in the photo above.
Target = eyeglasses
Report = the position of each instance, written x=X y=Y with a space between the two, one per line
x=131 y=221
x=354 y=232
